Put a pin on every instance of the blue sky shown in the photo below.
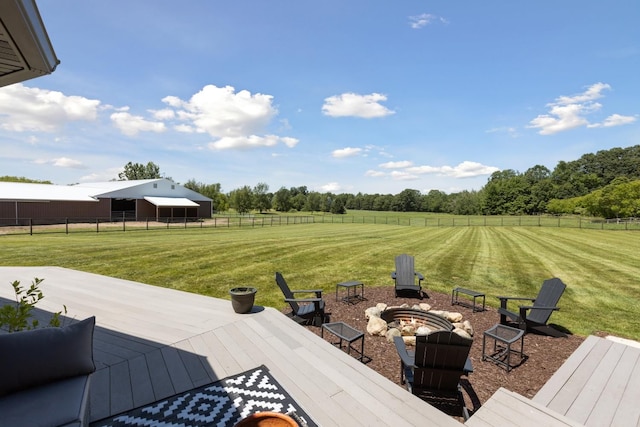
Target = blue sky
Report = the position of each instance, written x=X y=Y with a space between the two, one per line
x=342 y=96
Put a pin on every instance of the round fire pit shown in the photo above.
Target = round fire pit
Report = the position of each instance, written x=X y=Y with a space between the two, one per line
x=418 y=317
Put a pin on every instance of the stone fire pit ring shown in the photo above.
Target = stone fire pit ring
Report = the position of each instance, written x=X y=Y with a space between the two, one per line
x=423 y=318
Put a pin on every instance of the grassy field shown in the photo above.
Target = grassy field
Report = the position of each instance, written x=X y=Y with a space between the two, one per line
x=600 y=268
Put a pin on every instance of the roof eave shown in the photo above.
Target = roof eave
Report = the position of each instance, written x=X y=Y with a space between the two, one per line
x=26 y=51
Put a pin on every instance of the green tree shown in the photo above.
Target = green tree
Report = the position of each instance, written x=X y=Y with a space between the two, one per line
x=434 y=201
x=241 y=200
x=212 y=191
x=407 y=201
x=8 y=178
x=313 y=202
x=262 y=198
x=282 y=200
x=337 y=206
x=134 y=171
x=464 y=203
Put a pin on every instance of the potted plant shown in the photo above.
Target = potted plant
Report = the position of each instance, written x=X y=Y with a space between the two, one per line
x=242 y=299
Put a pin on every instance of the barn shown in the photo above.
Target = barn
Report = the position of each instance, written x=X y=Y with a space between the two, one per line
x=139 y=200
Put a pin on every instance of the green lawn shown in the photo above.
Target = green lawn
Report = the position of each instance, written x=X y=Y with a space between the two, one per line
x=600 y=268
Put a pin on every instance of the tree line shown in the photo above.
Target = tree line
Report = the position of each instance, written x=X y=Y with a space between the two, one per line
x=605 y=184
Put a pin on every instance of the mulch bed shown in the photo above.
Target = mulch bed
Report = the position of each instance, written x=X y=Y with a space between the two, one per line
x=544 y=354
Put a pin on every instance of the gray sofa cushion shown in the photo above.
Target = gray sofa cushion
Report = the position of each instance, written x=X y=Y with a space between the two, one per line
x=40 y=356
x=60 y=403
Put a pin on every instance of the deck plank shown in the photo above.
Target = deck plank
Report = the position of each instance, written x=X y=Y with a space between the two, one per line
x=508 y=408
x=160 y=377
x=120 y=386
x=141 y=386
x=595 y=394
x=627 y=409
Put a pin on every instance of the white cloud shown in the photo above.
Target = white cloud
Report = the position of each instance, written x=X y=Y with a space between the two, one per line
x=331 y=187
x=374 y=173
x=424 y=19
x=346 y=152
x=131 y=125
x=251 y=141
x=396 y=165
x=25 y=109
x=62 y=162
x=511 y=131
x=289 y=142
x=569 y=112
x=106 y=175
x=615 y=120
x=354 y=105
x=405 y=171
x=237 y=120
x=465 y=169
x=404 y=176
x=164 y=114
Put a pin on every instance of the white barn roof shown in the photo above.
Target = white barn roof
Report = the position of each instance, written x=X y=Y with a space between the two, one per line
x=92 y=192
x=26 y=192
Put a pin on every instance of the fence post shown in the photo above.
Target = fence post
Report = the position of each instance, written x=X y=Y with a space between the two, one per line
x=97 y=225
x=66 y=225
x=31 y=226
x=185 y=221
x=147 y=223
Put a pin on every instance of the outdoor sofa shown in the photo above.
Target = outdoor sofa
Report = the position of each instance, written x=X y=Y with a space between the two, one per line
x=45 y=375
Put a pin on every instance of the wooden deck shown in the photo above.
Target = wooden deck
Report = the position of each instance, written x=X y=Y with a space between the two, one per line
x=151 y=343
x=599 y=385
x=506 y=408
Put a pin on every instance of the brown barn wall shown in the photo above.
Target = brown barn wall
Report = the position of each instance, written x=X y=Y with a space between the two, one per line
x=145 y=210
x=204 y=210
x=56 y=211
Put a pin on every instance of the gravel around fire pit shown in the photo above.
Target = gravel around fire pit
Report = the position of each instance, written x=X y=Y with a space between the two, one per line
x=544 y=354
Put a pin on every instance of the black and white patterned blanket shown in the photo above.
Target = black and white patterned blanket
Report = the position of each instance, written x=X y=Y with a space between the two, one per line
x=222 y=404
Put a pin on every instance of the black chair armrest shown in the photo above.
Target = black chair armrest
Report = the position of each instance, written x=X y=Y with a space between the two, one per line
x=517 y=298
x=505 y=300
x=303 y=300
x=419 y=275
x=401 y=348
x=468 y=367
x=529 y=307
x=393 y=275
x=318 y=292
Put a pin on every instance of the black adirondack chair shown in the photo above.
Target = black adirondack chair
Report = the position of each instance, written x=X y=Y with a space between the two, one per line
x=305 y=311
x=406 y=278
x=535 y=316
x=433 y=371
